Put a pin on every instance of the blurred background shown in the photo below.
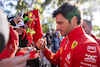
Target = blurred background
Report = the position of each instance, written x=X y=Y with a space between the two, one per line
x=90 y=8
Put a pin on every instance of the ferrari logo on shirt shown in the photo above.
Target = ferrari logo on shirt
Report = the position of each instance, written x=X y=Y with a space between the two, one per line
x=74 y=44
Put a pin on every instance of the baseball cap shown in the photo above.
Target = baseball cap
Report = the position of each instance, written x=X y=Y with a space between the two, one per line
x=19 y=25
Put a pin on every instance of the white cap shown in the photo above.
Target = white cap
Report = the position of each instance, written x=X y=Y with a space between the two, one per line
x=19 y=25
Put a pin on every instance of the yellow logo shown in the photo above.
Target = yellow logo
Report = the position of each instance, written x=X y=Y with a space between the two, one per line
x=74 y=44
x=52 y=58
x=61 y=50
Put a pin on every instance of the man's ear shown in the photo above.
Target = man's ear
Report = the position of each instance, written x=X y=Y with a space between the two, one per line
x=74 y=20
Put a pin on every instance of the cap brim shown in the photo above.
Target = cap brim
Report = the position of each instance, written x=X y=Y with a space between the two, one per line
x=18 y=26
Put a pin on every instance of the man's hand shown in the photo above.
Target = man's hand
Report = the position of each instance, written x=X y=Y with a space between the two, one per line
x=18 y=61
x=41 y=44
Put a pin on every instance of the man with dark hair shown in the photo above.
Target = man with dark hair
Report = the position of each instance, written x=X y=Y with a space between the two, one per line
x=77 y=49
x=87 y=26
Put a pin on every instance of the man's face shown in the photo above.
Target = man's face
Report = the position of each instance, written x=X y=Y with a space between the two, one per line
x=63 y=25
x=86 y=27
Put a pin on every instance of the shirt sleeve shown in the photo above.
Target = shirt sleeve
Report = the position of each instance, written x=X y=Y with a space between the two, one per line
x=54 y=58
x=87 y=56
x=12 y=45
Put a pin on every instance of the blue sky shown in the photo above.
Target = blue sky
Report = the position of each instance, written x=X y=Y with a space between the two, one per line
x=96 y=20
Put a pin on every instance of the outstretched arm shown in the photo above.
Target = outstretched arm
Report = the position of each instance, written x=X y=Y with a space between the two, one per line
x=19 y=61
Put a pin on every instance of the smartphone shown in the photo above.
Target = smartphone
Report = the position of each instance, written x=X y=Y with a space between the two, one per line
x=21 y=15
x=44 y=40
x=29 y=51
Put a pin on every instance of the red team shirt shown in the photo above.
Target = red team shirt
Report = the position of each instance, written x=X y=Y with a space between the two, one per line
x=98 y=40
x=76 y=50
x=12 y=45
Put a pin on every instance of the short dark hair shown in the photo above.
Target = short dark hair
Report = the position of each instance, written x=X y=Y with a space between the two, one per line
x=89 y=23
x=68 y=10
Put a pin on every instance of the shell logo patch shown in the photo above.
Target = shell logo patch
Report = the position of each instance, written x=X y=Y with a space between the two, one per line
x=74 y=44
x=61 y=50
x=52 y=58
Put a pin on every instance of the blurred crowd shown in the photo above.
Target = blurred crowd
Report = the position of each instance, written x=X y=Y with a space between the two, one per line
x=53 y=39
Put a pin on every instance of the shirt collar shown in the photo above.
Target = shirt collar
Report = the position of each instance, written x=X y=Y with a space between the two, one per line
x=75 y=33
x=93 y=36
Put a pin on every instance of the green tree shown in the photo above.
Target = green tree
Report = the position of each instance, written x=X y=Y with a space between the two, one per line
x=47 y=5
x=95 y=29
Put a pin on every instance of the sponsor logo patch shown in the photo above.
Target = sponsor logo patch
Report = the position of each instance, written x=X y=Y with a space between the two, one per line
x=90 y=58
x=67 y=58
x=61 y=50
x=74 y=44
x=52 y=58
x=91 y=49
x=65 y=65
x=83 y=64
